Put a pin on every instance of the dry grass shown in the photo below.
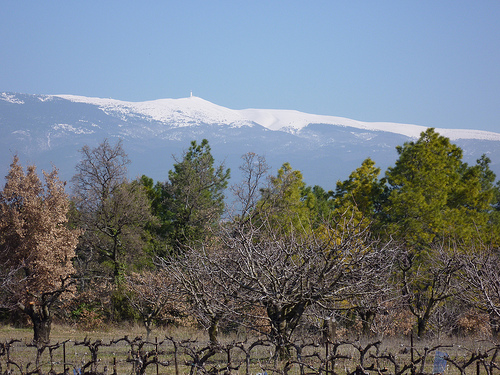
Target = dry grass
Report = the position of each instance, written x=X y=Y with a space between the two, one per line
x=76 y=355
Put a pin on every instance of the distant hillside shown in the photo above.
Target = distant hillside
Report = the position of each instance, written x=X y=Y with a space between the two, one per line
x=44 y=129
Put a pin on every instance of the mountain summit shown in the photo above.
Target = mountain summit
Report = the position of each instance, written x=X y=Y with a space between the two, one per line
x=194 y=110
x=45 y=129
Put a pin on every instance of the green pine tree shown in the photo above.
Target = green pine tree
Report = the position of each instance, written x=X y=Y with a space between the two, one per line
x=193 y=196
x=361 y=193
x=286 y=203
x=436 y=205
x=420 y=185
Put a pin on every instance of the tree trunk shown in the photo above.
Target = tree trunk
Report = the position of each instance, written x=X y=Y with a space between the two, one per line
x=41 y=330
x=494 y=323
x=284 y=320
x=213 y=331
x=278 y=337
x=367 y=317
x=148 y=323
x=423 y=319
x=278 y=330
x=422 y=325
x=42 y=323
x=116 y=264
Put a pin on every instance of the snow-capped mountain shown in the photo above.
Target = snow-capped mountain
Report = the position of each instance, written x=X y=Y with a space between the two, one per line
x=45 y=129
x=194 y=110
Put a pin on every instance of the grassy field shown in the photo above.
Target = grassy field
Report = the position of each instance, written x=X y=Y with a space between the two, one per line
x=187 y=346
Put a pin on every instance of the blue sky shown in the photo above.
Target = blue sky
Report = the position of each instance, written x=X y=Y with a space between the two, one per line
x=432 y=63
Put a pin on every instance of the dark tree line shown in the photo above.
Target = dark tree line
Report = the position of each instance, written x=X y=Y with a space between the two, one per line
x=375 y=252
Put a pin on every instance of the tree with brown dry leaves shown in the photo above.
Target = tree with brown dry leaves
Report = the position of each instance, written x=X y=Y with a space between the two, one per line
x=36 y=246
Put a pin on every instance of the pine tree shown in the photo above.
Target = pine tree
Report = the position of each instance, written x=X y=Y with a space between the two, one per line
x=194 y=196
x=361 y=194
x=433 y=194
x=420 y=184
x=287 y=203
x=436 y=203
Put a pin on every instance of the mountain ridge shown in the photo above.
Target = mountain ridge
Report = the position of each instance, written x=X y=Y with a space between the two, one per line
x=50 y=129
x=273 y=119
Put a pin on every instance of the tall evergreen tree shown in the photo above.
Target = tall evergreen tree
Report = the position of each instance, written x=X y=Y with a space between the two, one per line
x=287 y=203
x=362 y=189
x=420 y=184
x=360 y=197
x=435 y=201
x=471 y=204
x=433 y=194
x=361 y=194
x=320 y=203
x=194 y=196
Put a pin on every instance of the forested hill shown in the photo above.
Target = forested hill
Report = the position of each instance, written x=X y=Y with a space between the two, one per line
x=47 y=130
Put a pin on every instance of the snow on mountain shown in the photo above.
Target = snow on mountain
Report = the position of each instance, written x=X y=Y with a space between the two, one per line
x=10 y=98
x=194 y=110
x=50 y=129
x=182 y=112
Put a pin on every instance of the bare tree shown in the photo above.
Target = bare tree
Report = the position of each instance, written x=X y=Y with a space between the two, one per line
x=285 y=273
x=288 y=268
x=425 y=283
x=112 y=210
x=254 y=171
x=153 y=295
x=483 y=278
x=36 y=247
x=202 y=288
x=201 y=284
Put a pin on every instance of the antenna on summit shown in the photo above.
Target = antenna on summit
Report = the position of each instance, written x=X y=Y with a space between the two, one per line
x=191 y=94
